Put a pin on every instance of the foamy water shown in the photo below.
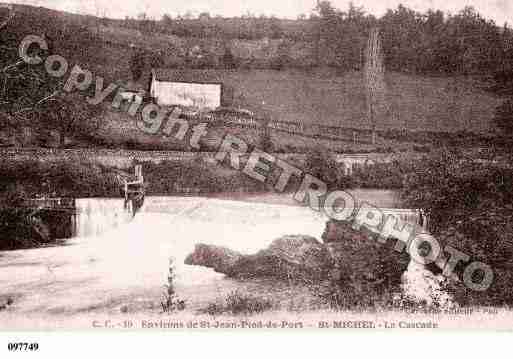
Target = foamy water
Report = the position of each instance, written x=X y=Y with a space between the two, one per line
x=114 y=261
x=420 y=285
x=178 y=224
x=171 y=227
x=95 y=216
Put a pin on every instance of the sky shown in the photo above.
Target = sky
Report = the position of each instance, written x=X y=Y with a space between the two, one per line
x=499 y=10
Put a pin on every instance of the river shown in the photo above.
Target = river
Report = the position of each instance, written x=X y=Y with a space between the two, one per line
x=122 y=262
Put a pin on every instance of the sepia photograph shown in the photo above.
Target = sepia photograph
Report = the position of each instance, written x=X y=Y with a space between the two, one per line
x=257 y=165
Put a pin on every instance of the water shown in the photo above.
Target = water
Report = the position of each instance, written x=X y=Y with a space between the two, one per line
x=420 y=285
x=96 y=216
x=170 y=227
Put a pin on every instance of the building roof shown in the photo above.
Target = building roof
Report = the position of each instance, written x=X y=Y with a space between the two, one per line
x=186 y=75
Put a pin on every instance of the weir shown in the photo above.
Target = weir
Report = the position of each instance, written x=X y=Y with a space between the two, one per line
x=70 y=217
x=95 y=216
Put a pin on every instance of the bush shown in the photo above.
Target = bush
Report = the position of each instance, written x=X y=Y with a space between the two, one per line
x=487 y=236
x=450 y=187
x=266 y=142
x=321 y=164
x=15 y=221
x=171 y=177
x=22 y=227
x=381 y=175
x=237 y=303
x=65 y=178
x=281 y=62
x=366 y=273
x=471 y=209
x=171 y=302
x=137 y=64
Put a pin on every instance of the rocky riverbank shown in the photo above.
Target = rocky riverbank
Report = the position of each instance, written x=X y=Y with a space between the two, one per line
x=289 y=257
x=349 y=265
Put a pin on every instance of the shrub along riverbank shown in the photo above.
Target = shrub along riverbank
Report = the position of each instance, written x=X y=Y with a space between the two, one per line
x=200 y=177
x=195 y=177
x=20 y=226
x=471 y=209
x=59 y=178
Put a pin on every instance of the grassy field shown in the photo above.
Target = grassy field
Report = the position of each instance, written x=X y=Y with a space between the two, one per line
x=325 y=96
x=413 y=102
x=119 y=130
x=416 y=103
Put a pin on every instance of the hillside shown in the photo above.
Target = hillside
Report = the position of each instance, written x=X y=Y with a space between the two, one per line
x=309 y=95
x=415 y=102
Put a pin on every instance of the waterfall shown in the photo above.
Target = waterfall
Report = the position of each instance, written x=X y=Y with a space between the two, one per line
x=422 y=286
x=96 y=216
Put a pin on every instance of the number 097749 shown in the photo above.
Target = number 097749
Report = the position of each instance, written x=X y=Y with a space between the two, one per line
x=22 y=347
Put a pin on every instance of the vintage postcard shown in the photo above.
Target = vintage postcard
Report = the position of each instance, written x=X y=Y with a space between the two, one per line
x=227 y=165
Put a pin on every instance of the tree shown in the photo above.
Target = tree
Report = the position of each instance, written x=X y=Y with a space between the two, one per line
x=137 y=64
x=7 y=14
x=204 y=16
x=504 y=117
x=15 y=220
x=188 y=15
x=228 y=58
x=167 y=21
x=147 y=26
x=282 y=59
x=321 y=164
x=266 y=142
x=31 y=98
x=275 y=29
x=69 y=115
x=434 y=42
x=157 y=59
x=341 y=36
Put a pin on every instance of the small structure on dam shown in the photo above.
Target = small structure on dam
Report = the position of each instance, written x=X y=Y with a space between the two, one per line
x=133 y=186
x=60 y=218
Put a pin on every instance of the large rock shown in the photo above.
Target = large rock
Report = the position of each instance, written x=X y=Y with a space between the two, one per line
x=290 y=257
x=220 y=259
x=361 y=262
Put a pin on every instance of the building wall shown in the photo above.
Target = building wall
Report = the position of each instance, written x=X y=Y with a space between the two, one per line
x=187 y=94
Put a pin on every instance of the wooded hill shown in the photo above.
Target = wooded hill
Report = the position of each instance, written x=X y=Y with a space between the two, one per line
x=443 y=72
